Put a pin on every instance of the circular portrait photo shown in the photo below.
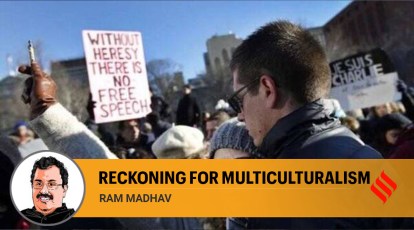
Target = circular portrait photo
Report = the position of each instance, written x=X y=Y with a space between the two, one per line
x=47 y=188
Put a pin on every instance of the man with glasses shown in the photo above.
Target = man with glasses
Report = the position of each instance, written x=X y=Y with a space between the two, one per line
x=49 y=180
x=281 y=77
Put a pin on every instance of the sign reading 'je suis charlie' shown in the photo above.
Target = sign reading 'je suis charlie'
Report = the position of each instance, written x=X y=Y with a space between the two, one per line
x=364 y=80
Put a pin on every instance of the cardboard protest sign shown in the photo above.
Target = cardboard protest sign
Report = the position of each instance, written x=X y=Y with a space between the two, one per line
x=117 y=74
x=364 y=80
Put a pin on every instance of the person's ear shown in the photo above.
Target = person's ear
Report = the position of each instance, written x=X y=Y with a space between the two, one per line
x=65 y=189
x=269 y=91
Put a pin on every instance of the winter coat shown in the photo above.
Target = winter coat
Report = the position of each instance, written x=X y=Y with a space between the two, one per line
x=404 y=147
x=188 y=112
x=63 y=133
x=311 y=132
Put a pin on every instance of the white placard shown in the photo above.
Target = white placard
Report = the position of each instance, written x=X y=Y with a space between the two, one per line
x=117 y=74
x=364 y=80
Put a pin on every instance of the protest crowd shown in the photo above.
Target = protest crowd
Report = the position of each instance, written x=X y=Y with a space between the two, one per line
x=280 y=109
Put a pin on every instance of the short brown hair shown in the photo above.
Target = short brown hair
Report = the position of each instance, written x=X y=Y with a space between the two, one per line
x=290 y=55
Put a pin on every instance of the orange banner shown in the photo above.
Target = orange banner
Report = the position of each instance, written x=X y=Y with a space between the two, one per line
x=247 y=188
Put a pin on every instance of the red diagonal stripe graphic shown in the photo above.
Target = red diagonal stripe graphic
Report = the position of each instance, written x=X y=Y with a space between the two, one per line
x=378 y=193
x=383 y=187
x=388 y=180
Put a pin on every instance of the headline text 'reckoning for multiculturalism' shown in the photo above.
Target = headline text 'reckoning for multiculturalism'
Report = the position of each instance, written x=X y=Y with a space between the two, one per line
x=234 y=177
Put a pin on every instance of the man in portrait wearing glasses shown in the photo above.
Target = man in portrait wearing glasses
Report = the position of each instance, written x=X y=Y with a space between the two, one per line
x=49 y=180
x=280 y=78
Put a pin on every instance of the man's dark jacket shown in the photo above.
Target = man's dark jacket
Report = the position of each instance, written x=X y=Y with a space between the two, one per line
x=311 y=132
x=188 y=112
x=57 y=216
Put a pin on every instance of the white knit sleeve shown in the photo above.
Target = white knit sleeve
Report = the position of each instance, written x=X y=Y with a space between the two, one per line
x=63 y=133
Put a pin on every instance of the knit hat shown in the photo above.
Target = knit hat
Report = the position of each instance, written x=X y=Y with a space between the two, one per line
x=19 y=124
x=179 y=142
x=232 y=134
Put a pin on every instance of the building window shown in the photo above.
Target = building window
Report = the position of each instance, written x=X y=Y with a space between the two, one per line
x=350 y=31
x=226 y=57
x=368 y=29
x=381 y=17
x=363 y=28
x=206 y=60
x=372 y=25
x=217 y=63
x=357 y=34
